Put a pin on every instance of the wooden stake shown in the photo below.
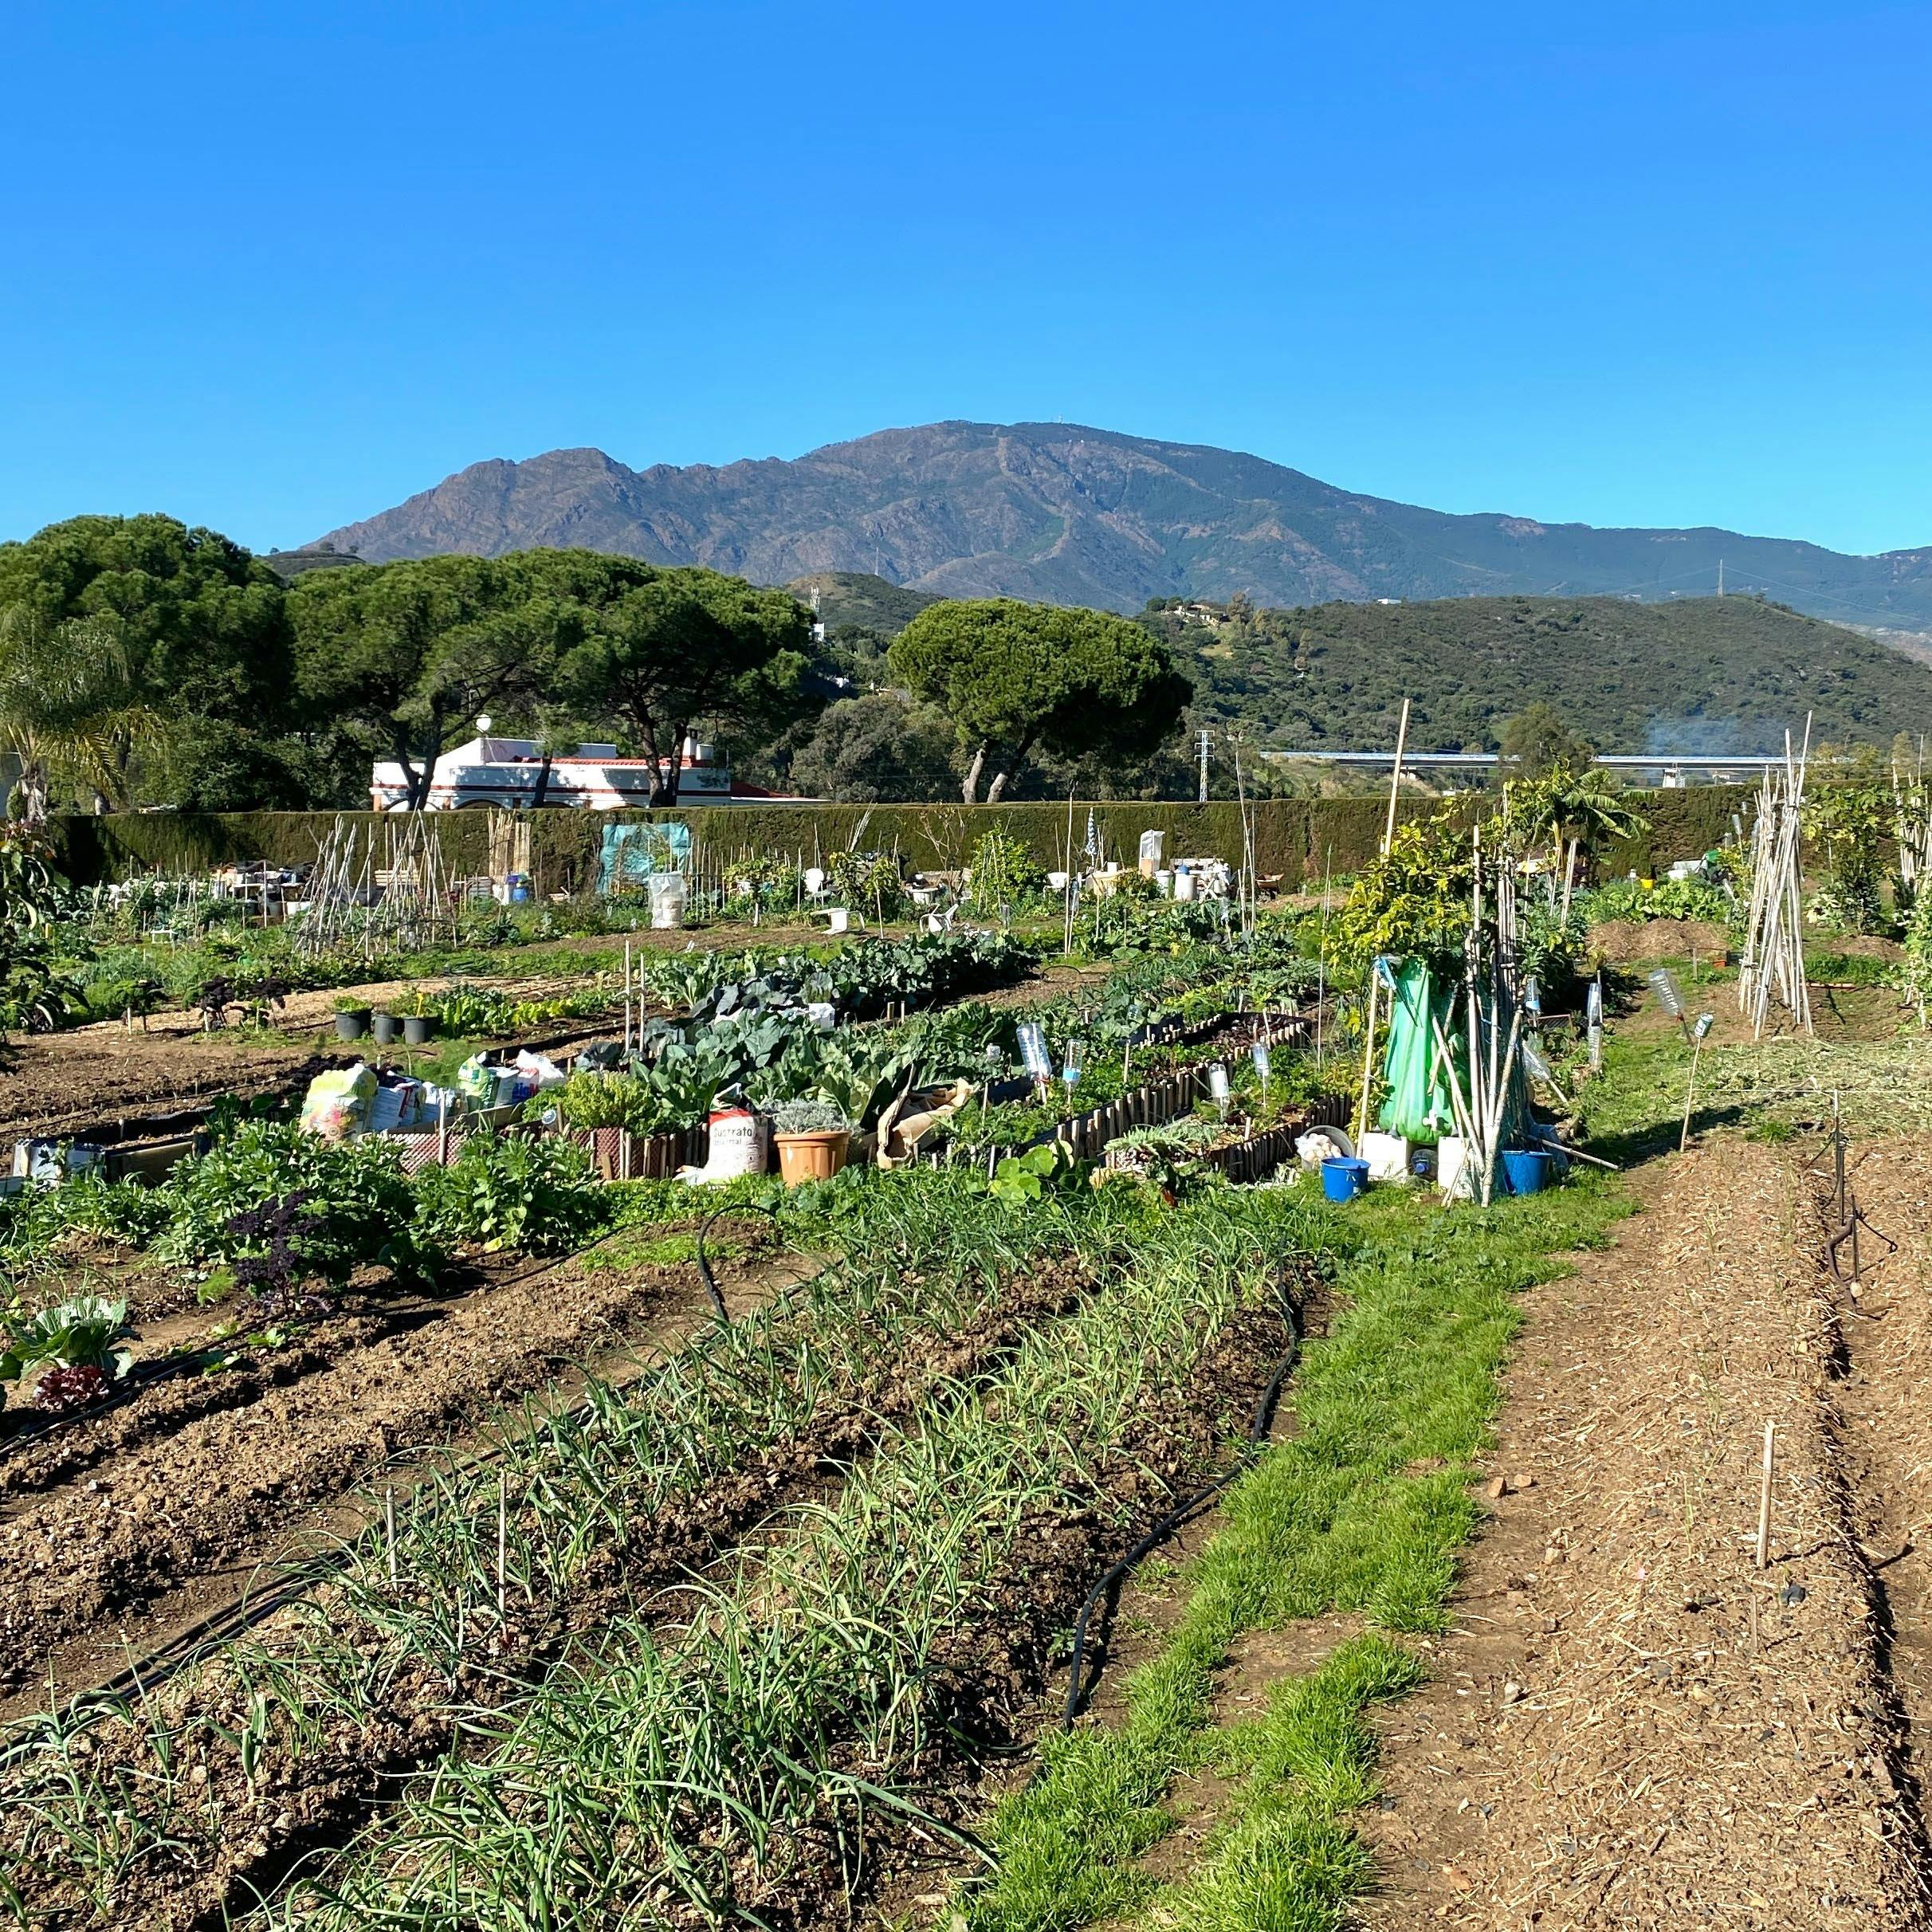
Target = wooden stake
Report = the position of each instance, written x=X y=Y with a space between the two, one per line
x=1763 y=1496
x=1395 y=778
x=1368 y=1055
x=1683 y=1139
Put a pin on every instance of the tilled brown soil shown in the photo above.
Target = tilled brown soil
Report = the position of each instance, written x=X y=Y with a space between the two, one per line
x=293 y=1805
x=1630 y=1726
x=1883 y=1321
x=198 y=1478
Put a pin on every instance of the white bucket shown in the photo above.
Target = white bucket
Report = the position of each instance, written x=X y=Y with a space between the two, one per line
x=1184 y=884
x=1452 y=1172
x=668 y=896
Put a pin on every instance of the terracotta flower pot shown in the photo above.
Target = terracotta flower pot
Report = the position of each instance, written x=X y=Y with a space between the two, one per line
x=812 y=1156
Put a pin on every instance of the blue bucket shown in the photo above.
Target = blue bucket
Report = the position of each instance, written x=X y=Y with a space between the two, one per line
x=1527 y=1170
x=1342 y=1179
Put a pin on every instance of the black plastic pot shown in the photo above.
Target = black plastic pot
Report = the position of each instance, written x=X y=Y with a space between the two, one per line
x=385 y=1026
x=352 y=1026
x=419 y=1029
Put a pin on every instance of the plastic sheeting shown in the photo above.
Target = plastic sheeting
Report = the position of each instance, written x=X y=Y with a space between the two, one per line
x=632 y=854
x=1418 y=1107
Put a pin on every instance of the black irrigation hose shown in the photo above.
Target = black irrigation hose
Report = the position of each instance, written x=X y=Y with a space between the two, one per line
x=142 y=1377
x=207 y=1634
x=704 y=1228
x=1257 y=1433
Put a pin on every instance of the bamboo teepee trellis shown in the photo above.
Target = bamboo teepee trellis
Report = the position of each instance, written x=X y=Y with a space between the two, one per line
x=1772 y=966
x=1912 y=813
x=406 y=902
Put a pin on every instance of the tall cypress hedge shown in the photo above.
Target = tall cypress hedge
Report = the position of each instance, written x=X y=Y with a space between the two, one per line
x=1298 y=838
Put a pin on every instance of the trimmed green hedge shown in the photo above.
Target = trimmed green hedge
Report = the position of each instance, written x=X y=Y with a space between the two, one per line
x=1300 y=838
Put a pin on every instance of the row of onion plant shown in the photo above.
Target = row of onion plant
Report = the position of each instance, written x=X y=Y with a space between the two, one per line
x=697 y=1774
x=113 y=1798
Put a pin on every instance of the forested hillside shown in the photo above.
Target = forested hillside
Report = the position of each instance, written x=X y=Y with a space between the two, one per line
x=1706 y=674
x=858 y=600
x=144 y=663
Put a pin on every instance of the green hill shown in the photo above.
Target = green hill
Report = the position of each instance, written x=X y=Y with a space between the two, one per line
x=858 y=598
x=1707 y=674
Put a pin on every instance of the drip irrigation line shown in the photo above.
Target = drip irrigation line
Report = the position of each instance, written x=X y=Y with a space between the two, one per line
x=207 y=1634
x=704 y=1228
x=1176 y=1518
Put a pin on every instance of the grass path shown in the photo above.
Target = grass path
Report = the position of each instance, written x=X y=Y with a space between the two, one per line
x=1361 y=1510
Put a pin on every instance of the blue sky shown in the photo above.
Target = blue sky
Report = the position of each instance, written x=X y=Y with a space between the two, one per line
x=272 y=268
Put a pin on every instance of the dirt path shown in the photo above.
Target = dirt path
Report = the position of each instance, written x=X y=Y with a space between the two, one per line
x=1630 y=1726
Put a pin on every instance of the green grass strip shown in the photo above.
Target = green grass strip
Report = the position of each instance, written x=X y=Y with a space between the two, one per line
x=1362 y=1510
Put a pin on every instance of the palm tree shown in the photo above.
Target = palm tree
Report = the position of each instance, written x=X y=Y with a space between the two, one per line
x=1587 y=810
x=72 y=710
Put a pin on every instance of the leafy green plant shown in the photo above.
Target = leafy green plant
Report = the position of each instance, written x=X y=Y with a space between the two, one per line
x=794 y=1117
x=36 y=991
x=1667 y=899
x=507 y=1191
x=72 y=1346
x=1850 y=816
x=1021 y=1179
x=866 y=880
x=1004 y=872
x=587 y=1101
x=357 y=1188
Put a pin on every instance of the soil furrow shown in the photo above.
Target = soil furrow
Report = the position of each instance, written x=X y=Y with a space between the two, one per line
x=229 y=1486
x=323 y=1795
x=1881 y=1321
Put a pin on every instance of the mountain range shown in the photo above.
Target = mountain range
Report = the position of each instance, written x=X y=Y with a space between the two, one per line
x=1071 y=514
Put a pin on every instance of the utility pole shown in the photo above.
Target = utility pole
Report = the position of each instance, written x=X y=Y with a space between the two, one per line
x=1203 y=764
x=1720 y=576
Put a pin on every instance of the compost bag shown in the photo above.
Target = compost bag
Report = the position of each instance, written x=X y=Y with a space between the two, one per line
x=1418 y=1107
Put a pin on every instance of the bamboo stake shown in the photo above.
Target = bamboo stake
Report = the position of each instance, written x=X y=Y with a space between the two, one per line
x=1394 y=777
x=1763 y=1496
x=1368 y=1056
x=1683 y=1139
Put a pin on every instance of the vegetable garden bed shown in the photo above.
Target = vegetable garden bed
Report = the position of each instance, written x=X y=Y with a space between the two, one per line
x=988 y=1394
